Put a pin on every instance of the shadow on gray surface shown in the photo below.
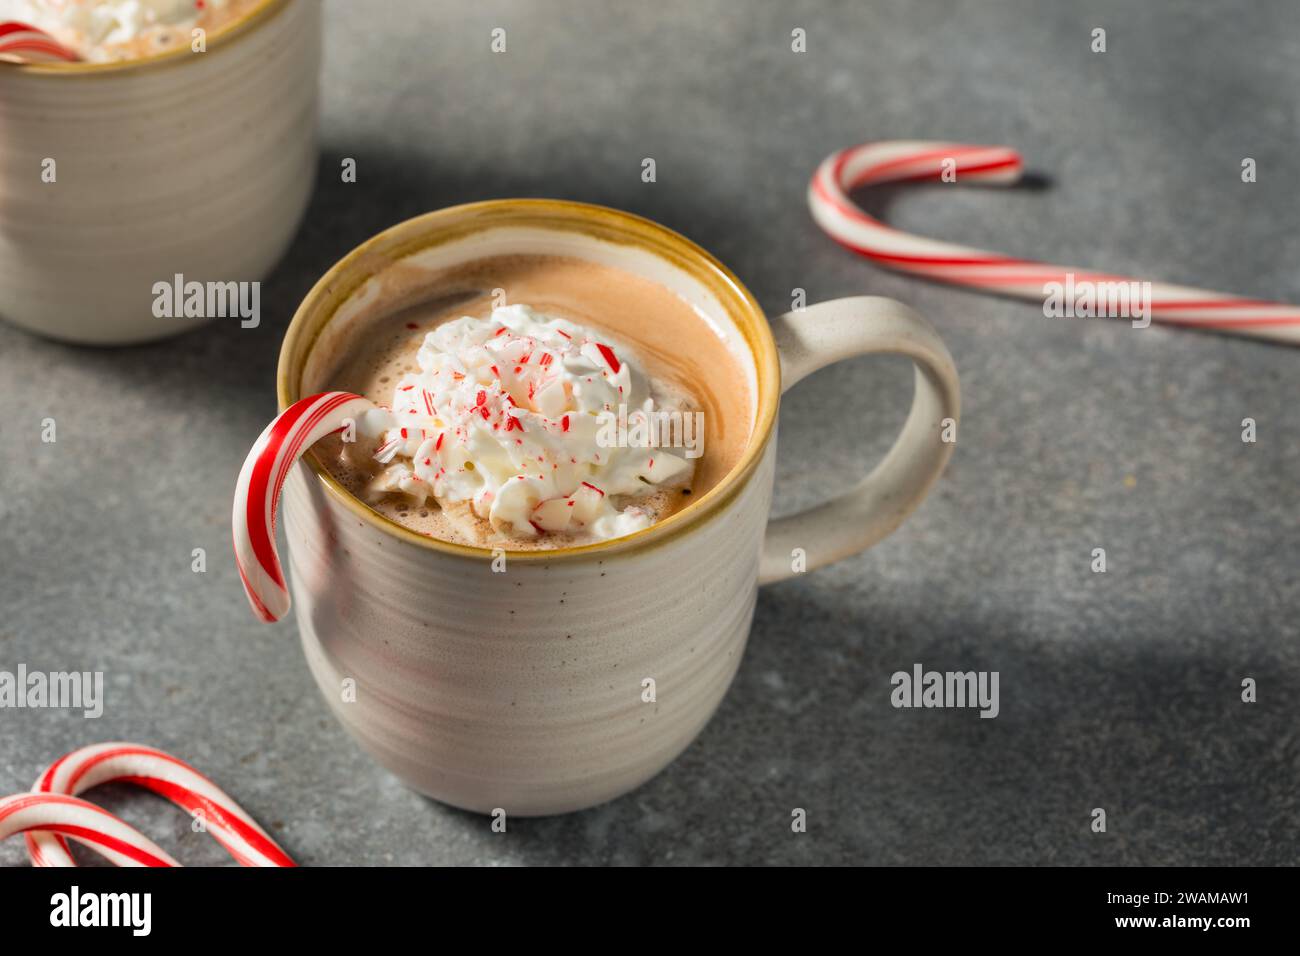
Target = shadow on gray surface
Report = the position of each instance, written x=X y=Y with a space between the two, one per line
x=241 y=363
x=877 y=200
x=1157 y=736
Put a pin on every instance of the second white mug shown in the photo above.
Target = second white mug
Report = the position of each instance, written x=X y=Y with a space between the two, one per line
x=118 y=176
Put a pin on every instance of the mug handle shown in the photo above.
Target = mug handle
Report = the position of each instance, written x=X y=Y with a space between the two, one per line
x=829 y=332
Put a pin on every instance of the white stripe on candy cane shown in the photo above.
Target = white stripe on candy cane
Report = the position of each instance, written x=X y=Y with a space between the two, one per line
x=24 y=43
x=257 y=493
x=84 y=822
x=896 y=161
x=167 y=776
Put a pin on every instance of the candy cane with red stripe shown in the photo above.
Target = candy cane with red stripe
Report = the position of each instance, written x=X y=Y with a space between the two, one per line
x=257 y=496
x=84 y=822
x=899 y=161
x=25 y=43
x=165 y=775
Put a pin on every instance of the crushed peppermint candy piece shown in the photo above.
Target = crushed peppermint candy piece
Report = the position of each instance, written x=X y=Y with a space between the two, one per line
x=512 y=414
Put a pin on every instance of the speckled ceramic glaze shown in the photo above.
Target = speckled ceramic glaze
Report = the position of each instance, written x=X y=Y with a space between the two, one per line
x=191 y=163
x=529 y=689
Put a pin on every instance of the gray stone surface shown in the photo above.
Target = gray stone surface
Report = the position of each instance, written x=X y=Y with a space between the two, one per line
x=1118 y=690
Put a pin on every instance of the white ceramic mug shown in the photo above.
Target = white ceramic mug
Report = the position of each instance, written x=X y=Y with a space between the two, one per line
x=526 y=689
x=182 y=163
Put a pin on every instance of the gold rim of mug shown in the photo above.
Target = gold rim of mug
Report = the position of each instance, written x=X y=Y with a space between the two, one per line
x=601 y=222
x=223 y=37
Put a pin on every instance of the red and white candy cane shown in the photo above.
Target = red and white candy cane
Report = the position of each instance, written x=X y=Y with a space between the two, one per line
x=257 y=496
x=900 y=160
x=24 y=43
x=166 y=776
x=62 y=816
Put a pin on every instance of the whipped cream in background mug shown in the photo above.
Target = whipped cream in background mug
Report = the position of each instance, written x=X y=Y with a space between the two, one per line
x=102 y=30
x=547 y=681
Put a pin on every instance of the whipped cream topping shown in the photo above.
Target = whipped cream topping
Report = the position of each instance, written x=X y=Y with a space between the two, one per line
x=86 y=25
x=510 y=415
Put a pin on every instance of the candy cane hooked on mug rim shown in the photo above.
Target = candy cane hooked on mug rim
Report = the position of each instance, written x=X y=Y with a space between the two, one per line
x=900 y=160
x=257 y=495
x=165 y=775
x=28 y=44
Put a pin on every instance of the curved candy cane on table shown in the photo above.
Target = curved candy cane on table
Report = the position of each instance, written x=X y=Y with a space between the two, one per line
x=166 y=776
x=257 y=495
x=84 y=822
x=903 y=161
x=24 y=43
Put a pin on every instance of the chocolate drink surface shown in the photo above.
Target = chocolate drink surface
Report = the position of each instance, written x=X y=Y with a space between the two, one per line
x=536 y=402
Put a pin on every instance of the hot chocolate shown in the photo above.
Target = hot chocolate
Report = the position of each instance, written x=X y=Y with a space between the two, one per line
x=537 y=402
x=106 y=30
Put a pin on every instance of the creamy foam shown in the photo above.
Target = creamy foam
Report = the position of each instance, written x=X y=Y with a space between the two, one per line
x=604 y=350
x=517 y=417
x=102 y=30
